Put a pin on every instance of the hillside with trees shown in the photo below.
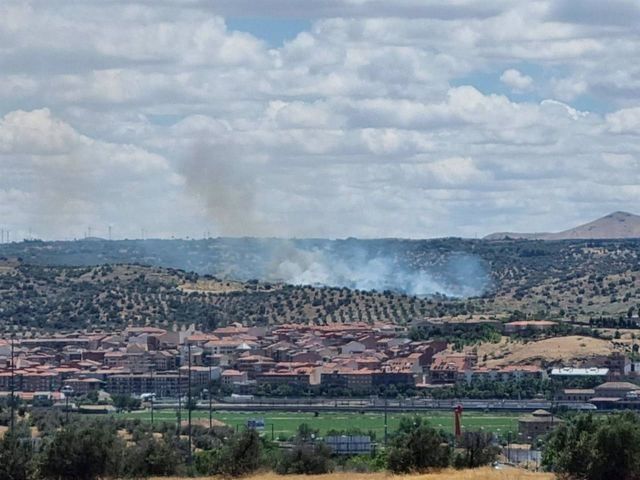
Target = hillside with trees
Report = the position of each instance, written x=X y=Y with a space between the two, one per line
x=61 y=285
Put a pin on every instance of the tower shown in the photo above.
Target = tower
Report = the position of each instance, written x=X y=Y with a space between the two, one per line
x=457 y=421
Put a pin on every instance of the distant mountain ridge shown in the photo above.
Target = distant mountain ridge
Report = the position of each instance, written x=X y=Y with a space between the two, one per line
x=616 y=225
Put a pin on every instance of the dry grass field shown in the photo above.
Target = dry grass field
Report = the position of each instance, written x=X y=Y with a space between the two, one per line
x=476 y=474
x=549 y=351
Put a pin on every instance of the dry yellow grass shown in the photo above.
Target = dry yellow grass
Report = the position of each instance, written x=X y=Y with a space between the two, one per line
x=550 y=350
x=476 y=474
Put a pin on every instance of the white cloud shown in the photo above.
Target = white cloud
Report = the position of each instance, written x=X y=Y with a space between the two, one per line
x=516 y=81
x=379 y=120
x=625 y=121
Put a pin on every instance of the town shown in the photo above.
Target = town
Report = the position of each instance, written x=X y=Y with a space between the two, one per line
x=236 y=361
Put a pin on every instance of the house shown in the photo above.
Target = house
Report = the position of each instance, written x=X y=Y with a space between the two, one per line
x=231 y=331
x=162 y=384
x=522 y=372
x=616 y=389
x=292 y=373
x=231 y=377
x=5 y=348
x=82 y=386
x=34 y=381
x=451 y=367
x=352 y=347
x=536 y=424
x=571 y=372
x=410 y=364
x=357 y=380
x=226 y=346
x=387 y=377
x=509 y=373
x=577 y=395
x=305 y=356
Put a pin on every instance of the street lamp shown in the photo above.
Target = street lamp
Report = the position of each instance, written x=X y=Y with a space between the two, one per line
x=67 y=391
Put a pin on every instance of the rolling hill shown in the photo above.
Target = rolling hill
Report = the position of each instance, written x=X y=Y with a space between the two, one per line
x=616 y=225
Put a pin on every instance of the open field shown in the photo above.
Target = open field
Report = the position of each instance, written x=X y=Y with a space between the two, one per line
x=477 y=474
x=286 y=423
x=548 y=351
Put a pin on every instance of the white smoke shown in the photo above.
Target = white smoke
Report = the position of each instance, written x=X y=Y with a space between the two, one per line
x=228 y=185
x=457 y=276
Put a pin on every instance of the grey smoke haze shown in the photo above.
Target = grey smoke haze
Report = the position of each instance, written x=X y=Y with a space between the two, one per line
x=228 y=187
x=220 y=177
x=458 y=275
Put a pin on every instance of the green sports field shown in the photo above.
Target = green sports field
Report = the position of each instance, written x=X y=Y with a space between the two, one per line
x=286 y=423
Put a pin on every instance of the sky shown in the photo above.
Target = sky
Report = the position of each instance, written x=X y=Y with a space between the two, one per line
x=331 y=118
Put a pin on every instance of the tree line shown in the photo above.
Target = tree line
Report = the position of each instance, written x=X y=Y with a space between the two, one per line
x=88 y=449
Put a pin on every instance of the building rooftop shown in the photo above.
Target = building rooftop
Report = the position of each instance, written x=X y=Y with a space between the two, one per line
x=540 y=416
x=626 y=386
x=579 y=372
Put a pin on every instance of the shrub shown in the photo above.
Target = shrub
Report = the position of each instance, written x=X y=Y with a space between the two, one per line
x=590 y=448
x=417 y=447
x=16 y=454
x=152 y=457
x=307 y=458
x=478 y=450
x=240 y=455
x=82 y=451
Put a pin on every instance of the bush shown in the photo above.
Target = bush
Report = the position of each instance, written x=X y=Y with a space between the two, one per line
x=306 y=458
x=82 y=451
x=16 y=454
x=478 y=450
x=417 y=447
x=590 y=448
x=151 y=456
x=240 y=455
x=365 y=463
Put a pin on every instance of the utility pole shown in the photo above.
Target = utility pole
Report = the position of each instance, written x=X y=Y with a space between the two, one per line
x=13 y=379
x=210 y=398
x=189 y=399
x=153 y=394
x=386 y=424
x=179 y=429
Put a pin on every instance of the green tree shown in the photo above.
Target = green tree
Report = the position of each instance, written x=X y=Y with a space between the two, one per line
x=125 y=402
x=312 y=458
x=151 y=456
x=417 y=447
x=82 y=451
x=590 y=448
x=16 y=454
x=308 y=455
x=477 y=450
x=242 y=454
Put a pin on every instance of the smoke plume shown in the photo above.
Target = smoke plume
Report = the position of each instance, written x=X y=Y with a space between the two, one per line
x=356 y=267
x=228 y=185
